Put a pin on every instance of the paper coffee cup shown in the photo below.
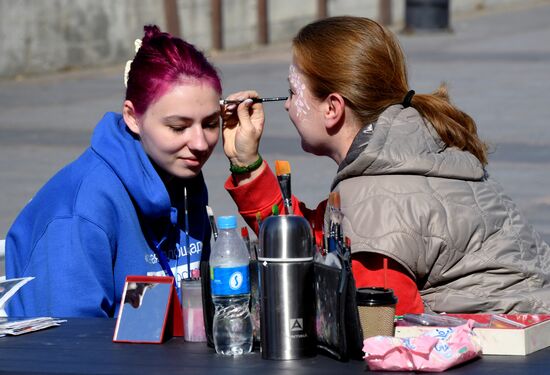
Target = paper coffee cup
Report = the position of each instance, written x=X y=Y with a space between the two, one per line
x=376 y=308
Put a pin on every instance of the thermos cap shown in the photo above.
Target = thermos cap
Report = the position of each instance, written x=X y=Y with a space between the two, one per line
x=227 y=222
x=375 y=297
x=287 y=238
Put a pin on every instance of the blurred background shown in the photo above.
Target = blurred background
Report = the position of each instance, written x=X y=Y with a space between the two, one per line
x=44 y=36
x=62 y=62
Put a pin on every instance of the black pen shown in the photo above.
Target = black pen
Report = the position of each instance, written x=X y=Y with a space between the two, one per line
x=254 y=100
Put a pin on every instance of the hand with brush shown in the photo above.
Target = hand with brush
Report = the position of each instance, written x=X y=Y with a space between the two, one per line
x=243 y=124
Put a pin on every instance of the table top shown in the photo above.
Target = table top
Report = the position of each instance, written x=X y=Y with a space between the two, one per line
x=84 y=346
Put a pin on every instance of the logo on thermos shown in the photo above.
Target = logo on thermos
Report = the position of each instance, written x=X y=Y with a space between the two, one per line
x=296 y=325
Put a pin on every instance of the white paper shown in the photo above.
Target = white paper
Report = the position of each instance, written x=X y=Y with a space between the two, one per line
x=19 y=327
x=9 y=287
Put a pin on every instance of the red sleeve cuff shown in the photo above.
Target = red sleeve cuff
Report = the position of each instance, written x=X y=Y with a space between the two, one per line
x=257 y=195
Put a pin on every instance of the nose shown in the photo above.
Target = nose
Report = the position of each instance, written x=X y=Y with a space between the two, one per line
x=287 y=103
x=197 y=141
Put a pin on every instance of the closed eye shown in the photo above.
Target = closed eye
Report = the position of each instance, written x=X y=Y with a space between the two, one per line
x=178 y=129
x=212 y=124
x=212 y=121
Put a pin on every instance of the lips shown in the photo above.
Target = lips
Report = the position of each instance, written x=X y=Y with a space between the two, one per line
x=191 y=162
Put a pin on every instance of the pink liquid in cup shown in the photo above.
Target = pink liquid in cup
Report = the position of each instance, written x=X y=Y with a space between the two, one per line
x=193 y=325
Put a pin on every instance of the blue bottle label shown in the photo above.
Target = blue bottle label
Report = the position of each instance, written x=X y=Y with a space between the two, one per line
x=228 y=281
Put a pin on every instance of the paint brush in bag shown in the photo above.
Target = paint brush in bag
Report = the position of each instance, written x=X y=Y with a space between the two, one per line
x=246 y=238
x=258 y=220
x=335 y=239
x=212 y=220
x=282 y=169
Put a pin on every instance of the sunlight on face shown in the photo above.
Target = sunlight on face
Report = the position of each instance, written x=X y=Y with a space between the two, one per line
x=180 y=130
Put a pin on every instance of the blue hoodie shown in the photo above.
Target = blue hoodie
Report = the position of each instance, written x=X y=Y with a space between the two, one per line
x=97 y=221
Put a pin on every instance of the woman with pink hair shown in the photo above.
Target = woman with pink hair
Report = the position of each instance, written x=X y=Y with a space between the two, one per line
x=134 y=203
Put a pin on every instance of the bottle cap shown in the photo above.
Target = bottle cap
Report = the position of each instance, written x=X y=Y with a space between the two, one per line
x=227 y=222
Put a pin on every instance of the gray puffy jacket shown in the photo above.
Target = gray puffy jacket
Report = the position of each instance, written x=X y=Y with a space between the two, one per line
x=433 y=209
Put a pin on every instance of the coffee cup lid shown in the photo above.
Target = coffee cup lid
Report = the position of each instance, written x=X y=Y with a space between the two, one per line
x=375 y=297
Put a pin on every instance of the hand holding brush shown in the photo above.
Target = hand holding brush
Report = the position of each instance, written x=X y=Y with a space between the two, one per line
x=242 y=128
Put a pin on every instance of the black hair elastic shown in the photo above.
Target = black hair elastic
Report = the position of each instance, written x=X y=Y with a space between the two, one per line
x=407 y=100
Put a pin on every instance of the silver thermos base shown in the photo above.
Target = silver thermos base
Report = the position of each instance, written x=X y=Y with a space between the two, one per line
x=287 y=313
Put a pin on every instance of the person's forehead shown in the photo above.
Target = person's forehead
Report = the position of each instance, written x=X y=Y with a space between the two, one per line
x=190 y=100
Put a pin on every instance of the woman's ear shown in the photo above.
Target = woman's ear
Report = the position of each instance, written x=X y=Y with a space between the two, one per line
x=335 y=112
x=130 y=118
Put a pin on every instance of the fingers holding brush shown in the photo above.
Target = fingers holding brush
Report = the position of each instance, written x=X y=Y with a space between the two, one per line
x=242 y=109
x=243 y=122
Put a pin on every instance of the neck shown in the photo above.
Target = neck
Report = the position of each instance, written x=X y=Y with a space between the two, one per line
x=342 y=142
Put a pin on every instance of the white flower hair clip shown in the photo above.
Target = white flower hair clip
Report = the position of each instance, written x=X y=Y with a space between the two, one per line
x=137 y=45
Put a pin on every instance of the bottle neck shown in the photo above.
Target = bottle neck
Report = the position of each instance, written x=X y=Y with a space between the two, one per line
x=227 y=231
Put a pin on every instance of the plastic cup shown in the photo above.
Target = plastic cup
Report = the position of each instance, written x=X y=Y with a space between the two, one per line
x=193 y=318
x=376 y=308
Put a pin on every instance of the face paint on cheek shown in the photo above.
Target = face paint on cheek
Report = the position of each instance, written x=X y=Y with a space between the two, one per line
x=302 y=108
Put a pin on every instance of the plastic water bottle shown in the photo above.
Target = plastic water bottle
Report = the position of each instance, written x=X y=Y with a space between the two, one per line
x=229 y=261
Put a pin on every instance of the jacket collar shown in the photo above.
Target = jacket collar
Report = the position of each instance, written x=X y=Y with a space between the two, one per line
x=402 y=142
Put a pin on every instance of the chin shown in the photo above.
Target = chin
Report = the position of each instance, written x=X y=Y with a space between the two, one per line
x=186 y=173
x=317 y=151
x=308 y=148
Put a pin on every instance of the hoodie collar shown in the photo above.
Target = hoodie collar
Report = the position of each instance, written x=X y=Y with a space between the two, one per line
x=113 y=141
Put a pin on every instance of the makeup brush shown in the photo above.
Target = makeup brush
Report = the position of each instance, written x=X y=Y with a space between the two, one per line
x=337 y=216
x=282 y=169
x=335 y=221
x=258 y=220
x=213 y=226
x=246 y=237
x=254 y=100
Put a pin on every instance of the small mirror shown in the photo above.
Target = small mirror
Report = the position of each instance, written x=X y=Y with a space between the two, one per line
x=144 y=312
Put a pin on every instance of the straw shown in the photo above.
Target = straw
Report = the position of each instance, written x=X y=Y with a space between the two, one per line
x=385 y=273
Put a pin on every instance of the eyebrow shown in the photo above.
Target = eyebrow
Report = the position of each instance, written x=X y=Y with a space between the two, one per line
x=176 y=118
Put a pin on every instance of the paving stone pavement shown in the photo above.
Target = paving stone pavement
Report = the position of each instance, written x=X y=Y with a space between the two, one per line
x=496 y=64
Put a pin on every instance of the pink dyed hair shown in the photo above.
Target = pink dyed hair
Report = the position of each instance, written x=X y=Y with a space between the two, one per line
x=162 y=61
